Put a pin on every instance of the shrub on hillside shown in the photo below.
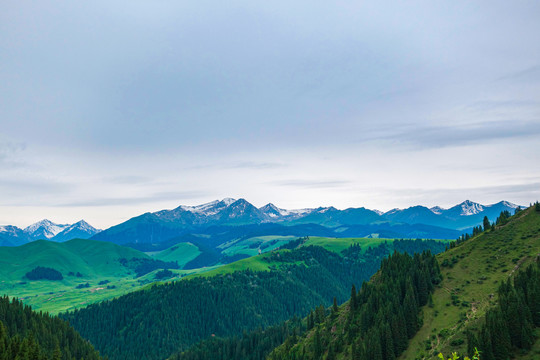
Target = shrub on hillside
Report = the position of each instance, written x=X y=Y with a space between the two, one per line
x=44 y=273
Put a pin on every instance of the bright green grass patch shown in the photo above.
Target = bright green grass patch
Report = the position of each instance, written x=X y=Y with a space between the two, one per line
x=181 y=253
x=252 y=245
x=339 y=244
x=254 y=263
x=98 y=264
x=93 y=259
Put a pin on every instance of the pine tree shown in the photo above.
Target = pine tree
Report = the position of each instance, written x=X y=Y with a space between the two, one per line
x=487 y=225
x=353 y=298
x=317 y=345
x=57 y=355
x=387 y=343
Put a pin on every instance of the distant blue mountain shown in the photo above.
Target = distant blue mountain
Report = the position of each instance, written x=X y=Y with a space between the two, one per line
x=45 y=230
x=13 y=236
x=413 y=222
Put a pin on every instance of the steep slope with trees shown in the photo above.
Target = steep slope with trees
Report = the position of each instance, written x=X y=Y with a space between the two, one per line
x=27 y=335
x=163 y=319
x=497 y=313
x=477 y=278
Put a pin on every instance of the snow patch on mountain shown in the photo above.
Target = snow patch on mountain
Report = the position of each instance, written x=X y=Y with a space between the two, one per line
x=437 y=210
x=507 y=204
x=210 y=208
x=84 y=226
x=469 y=208
x=44 y=229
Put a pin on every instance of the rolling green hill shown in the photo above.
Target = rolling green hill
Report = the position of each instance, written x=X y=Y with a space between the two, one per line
x=92 y=271
x=471 y=277
x=181 y=253
x=252 y=245
x=220 y=303
x=472 y=274
x=93 y=259
x=475 y=270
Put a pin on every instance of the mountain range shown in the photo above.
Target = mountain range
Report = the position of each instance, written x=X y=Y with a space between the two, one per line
x=45 y=230
x=231 y=219
x=242 y=219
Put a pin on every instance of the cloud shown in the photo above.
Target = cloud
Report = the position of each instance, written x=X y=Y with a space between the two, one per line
x=153 y=198
x=127 y=180
x=254 y=165
x=530 y=191
x=31 y=190
x=440 y=136
x=312 y=183
x=531 y=74
x=10 y=154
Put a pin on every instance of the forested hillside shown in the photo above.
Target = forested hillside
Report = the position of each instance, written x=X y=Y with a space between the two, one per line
x=167 y=318
x=386 y=308
x=477 y=274
x=378 y=320
x=27 y=335
x=497 y=313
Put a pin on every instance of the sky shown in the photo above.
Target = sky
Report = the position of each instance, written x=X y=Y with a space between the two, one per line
x=110 y=109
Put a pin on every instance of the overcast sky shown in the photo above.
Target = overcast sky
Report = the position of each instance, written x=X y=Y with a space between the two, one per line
x=110 y=109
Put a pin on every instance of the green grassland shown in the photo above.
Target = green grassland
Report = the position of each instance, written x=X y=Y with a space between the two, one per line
x=252 y=245
x=181 y=253
x=98 y=264
x=262 y=263
x=340 y=244
x=470 y=283
x=93 y=259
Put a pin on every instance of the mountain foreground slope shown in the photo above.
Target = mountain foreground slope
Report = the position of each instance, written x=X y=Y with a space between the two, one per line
x=454 y=316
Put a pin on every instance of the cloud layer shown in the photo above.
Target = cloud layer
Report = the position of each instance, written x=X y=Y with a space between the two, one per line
x=108 y=110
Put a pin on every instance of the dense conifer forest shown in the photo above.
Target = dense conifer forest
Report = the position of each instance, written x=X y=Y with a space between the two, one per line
x=44 y=273
x=27 y=335
x=168 y=318
x=259 y=343
x=377 y=321
x=510 y=326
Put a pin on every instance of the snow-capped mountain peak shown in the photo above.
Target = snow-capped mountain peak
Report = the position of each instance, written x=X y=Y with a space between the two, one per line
x=229 y=201
x=44 y=229
x=210 y=208
x=470 y=208
x=437 y=210
x=509 y=204
x=271 y=210
x=82 y=225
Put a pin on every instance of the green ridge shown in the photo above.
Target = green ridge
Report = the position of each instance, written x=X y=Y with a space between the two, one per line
x=181 y=253
x=481 y=264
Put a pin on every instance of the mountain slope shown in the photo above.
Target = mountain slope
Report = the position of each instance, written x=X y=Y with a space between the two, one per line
x=92 y=258
x=474 y=272
x=195 y=308
x=164 y=225
x=44 y=229
x=91 y=271
x=13 y=236
x=25 y=334
x=79 y=230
